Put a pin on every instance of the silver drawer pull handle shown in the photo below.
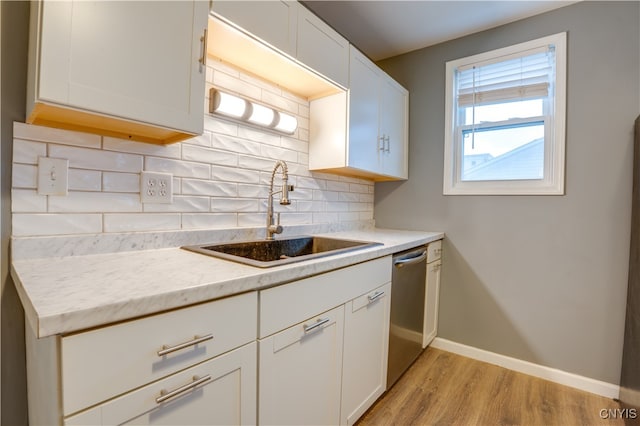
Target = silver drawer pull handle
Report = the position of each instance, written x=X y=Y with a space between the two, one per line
x=375 y=296
x=164 y=395
x=167 y=350
x=318 y=323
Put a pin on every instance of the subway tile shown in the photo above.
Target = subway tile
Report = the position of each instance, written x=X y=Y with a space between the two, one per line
x=255 y=135
x=207 y=187
x=333 y=206
x=256 y=163
x=366 y=198
x=28 y=152
x=121 y=182
x=355 y=187
x=28 y=200
x=208 y=155
x=235 y=144
x=181 y=203
x=295 y=144
x=325 y=217
x=333 y=185
x=200 y=140
x=280 y=103
x=277 y=153
x=122 y=145
x=303 y=159
x=24 y=176
x=367 y=215
x=84 y=180
x=94 y=202
x=178 y=167
x=234 y=205
x=234 y=174
x=141 y=222
x=251 y=219
x=296 y=219
x=301 y=194
x=228 y=83
x=253 y=191
x=217 y=125
x=58 y=136
x=209 y=220
x=95 y=159
x=349 y=196
x=306 y=182
x=310 y=206
x=348 y=217
x=303 y=110
x=55 y=224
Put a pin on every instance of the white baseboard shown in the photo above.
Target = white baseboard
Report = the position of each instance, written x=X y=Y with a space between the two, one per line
x=587 y=384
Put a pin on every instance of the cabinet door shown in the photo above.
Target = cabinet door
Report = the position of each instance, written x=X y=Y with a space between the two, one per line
x=300 y=371
x=226 y=396
x=274 y=22
x=393 y=127
x=366 y=346
x=131 y=60
x=432 y=295
x=364 y=97
x=321 y=48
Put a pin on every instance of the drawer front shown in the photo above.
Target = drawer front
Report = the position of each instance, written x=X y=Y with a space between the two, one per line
x=285 y=305
x=219 y=391
x=434 y=251
x=103 y=363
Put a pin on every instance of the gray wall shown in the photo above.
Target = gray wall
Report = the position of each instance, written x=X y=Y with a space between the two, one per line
x=14 y=37
x=539 y=278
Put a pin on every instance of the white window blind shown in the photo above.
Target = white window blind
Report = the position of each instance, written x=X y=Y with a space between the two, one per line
x=507 y=78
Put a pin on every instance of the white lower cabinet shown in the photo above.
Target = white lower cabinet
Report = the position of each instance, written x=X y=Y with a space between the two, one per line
x=312 y=351
x=366 y=343
x=300 y=372
x=221 y=391
x=432 y=292
x=323 y=346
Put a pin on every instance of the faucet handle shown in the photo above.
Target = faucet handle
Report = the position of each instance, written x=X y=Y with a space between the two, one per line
x=290 y=188
x=278 y=219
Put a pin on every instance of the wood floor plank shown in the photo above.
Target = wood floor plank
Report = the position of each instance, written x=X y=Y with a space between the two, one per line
x=442 y=388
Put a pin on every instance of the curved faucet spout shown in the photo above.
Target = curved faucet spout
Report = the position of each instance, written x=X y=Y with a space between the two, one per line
x=275 y=228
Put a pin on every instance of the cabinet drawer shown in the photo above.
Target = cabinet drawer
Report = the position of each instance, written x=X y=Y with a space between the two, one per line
x=285 y=305
x=109 y=361
x=223 y=392
x=434 y=251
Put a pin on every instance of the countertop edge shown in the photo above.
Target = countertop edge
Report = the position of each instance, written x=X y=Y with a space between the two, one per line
x=55 y=323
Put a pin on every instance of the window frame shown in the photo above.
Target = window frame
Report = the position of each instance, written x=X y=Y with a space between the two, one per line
x=554 y=134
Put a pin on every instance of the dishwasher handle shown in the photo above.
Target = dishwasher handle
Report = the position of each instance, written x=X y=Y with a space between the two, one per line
x=402 y=261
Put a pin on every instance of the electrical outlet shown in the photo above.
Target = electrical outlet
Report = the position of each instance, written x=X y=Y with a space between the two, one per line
x=156 y=187
x=53 y=176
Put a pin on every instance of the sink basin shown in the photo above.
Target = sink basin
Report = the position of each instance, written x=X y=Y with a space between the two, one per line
x=267 y=253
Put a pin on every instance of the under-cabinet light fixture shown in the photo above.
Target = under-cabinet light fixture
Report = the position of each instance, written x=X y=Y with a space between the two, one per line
x=235 y=107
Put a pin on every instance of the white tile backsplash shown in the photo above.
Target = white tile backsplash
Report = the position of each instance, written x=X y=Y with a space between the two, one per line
x=221 y=178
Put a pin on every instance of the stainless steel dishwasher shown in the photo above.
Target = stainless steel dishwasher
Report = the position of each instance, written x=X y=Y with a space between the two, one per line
x=407 y=310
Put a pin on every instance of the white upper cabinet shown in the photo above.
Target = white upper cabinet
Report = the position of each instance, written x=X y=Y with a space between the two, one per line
x=127 y=69
x=321 y=48
x=374 y=141
x=289 y=28
x=273 y=22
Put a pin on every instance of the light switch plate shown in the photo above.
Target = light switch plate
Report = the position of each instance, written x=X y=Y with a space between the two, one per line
x=156 y=187
x=53 y=176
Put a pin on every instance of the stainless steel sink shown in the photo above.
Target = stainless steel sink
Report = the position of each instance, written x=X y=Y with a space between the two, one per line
x=268 y=253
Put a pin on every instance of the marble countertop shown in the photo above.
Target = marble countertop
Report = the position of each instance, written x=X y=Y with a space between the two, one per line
x=71 y=293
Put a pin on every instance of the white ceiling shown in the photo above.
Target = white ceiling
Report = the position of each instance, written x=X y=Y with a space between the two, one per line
x=382 y=29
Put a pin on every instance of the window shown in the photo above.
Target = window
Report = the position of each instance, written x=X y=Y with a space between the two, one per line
x=505 y=120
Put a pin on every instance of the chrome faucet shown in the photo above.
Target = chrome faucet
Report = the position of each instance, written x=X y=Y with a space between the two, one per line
x=275 y=228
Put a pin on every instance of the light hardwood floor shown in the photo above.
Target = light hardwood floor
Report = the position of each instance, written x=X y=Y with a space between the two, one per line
x=442 y=388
